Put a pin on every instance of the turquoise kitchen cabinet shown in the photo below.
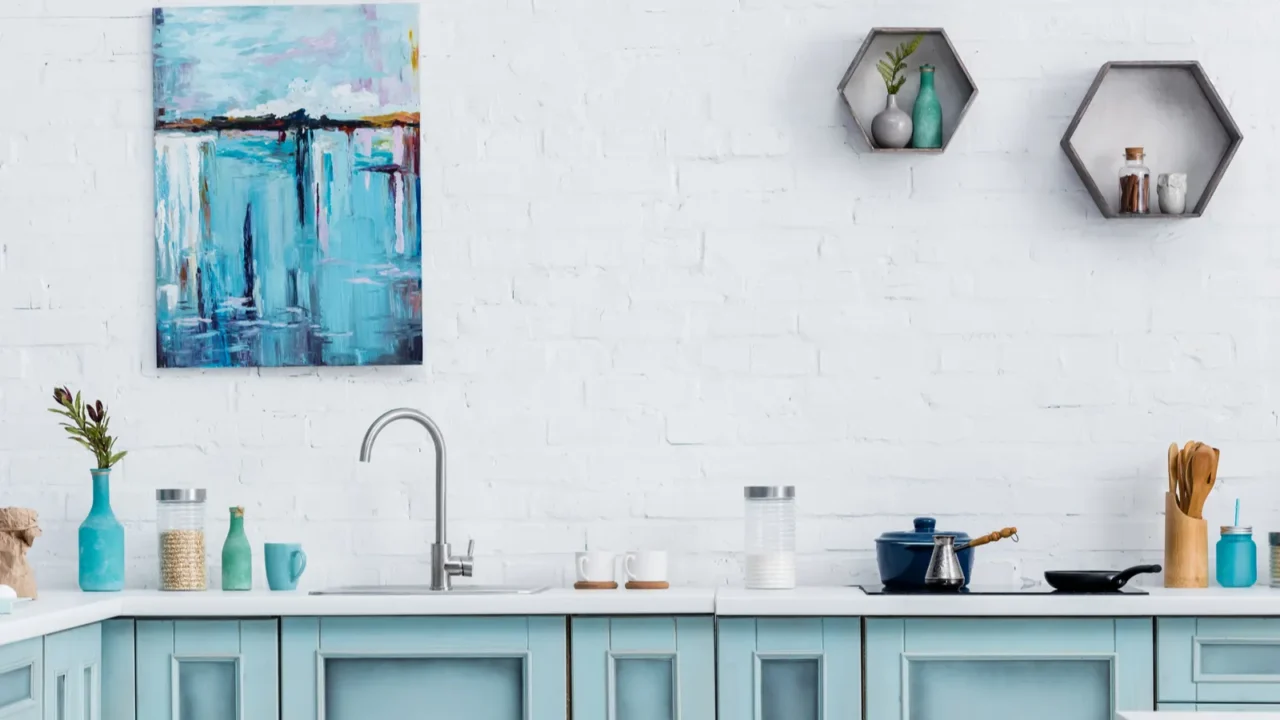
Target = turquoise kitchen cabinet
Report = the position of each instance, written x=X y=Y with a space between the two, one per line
x=478 y=668
x=118 y=675
x=73 y=674
x=1218 y=660
x=979 y=668
x=643 y=668
x=22 y=680
x=790 y=669
x=207 y=670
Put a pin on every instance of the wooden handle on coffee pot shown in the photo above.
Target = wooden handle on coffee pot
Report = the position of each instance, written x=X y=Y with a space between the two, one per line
x=998 y=535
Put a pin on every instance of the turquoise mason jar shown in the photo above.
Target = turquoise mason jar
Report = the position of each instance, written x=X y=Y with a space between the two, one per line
x=101 y=541
x=1237 y=557
x=926 y=116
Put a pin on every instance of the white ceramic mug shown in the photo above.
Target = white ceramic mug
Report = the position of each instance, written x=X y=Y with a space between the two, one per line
x=646 y=566
x=594 y=566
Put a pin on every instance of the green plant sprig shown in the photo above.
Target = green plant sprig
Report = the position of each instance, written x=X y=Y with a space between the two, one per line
x=897 y=63
x=89 y=426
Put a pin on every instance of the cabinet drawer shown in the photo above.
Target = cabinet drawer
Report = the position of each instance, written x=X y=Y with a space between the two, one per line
x=983 y=668
x=1218 y=660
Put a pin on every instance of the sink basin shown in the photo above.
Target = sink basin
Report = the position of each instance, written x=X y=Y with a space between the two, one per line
x=426 y=590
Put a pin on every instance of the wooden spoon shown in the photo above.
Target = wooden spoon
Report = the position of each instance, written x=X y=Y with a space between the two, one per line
x=1202 y=480
x=992 y=537
x=1188 y=482
x=1173 y=469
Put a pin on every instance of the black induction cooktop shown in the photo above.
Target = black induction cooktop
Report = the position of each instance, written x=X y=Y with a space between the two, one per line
x=991 y=590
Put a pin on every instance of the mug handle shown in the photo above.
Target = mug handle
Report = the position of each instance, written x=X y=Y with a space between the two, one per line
x=582 y=567
x=626 y=567
x=298 y=563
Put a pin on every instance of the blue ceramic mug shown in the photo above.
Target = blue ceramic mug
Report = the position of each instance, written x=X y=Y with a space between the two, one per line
x=285 y=563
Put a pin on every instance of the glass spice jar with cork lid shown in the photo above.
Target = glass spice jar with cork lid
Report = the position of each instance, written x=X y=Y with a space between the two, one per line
x=1135 y=183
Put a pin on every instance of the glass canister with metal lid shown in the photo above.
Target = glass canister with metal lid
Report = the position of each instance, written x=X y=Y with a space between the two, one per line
x=1237 y=557
x=180 y=516
x=770 y=536
x=1274 y=539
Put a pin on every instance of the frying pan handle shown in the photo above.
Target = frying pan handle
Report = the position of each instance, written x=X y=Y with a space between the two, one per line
x=1125 y=576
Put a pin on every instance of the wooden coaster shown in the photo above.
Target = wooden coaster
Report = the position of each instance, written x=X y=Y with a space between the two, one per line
x=588 y=585
x=648 y=585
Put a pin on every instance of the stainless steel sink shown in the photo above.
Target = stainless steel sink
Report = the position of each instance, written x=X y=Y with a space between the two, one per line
x=426 y=590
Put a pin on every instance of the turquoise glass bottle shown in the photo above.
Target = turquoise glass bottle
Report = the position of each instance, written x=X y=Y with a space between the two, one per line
x=926 y=116
x=101 y=541
x=237 y=558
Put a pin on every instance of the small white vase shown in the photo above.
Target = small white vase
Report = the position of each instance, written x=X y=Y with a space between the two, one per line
x=1171 y=189
x=892 y=127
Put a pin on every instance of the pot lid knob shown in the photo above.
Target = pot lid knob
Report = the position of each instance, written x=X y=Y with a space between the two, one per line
x=925 y=524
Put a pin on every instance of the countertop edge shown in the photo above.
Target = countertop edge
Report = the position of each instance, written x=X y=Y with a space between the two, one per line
x=57 y=611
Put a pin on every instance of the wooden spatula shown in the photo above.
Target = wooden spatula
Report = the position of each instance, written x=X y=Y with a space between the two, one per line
x=1173 y=469
x=1201 y=479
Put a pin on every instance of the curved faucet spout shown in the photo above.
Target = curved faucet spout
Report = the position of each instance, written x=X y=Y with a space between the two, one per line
x=371 y=436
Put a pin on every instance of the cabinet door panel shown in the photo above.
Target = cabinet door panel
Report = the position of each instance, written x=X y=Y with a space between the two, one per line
x=1219 y=660
x=978 y=668
x=651 y=668
x=501 y=668
x=22 y=680
x=789 y=669
x=73 y=674
x=207 y=670
x=118 y=670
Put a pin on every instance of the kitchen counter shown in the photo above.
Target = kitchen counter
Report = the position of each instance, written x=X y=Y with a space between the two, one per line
x=59 y=610
x=851 y=601
x=55 y=611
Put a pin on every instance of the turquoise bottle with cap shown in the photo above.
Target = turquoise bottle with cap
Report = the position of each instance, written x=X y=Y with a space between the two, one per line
x=1237 y=555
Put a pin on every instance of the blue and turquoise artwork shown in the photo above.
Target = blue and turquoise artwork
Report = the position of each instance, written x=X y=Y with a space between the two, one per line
x=287 y=205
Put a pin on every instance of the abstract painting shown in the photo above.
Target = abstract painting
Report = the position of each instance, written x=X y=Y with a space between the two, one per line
x=287 y=218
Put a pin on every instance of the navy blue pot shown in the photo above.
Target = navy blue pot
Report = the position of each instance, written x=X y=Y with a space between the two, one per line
x=903 y=557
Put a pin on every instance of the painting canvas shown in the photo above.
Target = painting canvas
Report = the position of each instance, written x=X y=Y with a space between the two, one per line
x=287 y=218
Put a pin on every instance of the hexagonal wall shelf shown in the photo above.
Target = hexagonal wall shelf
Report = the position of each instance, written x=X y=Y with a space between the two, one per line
x=1168 y=108
x=863 y=89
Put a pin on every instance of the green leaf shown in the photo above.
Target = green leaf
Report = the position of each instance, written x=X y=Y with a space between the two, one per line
x=117 y=458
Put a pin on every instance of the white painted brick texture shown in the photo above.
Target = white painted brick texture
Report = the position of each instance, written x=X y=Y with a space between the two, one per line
x=659 y=268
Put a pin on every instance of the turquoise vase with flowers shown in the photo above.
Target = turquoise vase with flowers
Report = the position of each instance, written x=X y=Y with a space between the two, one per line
x=101 y=557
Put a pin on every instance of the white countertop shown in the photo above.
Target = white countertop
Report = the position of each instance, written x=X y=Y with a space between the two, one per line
x=851 y=601
x=56 y=611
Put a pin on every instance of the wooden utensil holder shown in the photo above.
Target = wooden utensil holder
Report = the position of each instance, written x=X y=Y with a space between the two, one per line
x=1186 y=548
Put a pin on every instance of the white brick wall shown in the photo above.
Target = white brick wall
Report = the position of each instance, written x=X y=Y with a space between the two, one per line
x=659 y=269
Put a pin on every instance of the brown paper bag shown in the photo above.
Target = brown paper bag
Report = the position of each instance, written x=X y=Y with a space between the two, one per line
x=18 y=530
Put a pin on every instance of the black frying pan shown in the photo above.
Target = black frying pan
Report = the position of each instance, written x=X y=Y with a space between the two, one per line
x=1090 y=581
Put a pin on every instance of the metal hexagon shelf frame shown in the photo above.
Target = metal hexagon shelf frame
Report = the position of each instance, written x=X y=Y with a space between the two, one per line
x=864 y=94
x=1158 y=84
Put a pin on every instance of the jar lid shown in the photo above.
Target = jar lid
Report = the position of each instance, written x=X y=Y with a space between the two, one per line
x=180 y=495
x=1133 y=153
x=1274 y=538
x=768 y=492
x=922 y=535
x=1237 y=530
x=926 y=68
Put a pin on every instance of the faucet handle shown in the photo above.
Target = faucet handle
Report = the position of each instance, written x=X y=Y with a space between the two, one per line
x=465 y=563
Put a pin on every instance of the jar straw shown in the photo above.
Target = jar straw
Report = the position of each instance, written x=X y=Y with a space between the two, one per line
x=1237 y=523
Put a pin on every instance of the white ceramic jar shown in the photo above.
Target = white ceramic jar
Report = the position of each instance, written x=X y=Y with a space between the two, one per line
x=770 y=537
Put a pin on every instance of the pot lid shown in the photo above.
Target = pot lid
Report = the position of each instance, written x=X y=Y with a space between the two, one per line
x=922 y=535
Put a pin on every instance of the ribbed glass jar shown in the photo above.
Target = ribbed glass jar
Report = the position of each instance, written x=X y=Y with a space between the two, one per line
x=180 y=517
x=770 y=540
x=1274 y=542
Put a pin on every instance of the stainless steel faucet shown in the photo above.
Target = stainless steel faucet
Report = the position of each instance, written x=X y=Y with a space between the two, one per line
x=443 y=565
